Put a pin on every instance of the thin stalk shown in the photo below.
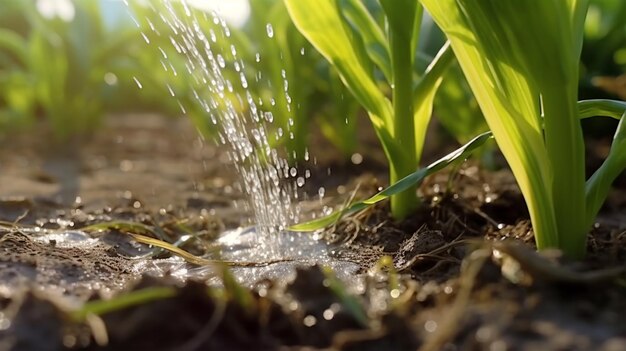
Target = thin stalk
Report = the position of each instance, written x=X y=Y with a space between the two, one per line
x=406 y=202
x=564 y=143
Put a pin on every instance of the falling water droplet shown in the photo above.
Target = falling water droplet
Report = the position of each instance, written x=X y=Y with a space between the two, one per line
x=169 y=88
x=138 y=82
x=320 y=192
x=300 y=182
x=220 y=61
x=145 y=38
x=270 y=30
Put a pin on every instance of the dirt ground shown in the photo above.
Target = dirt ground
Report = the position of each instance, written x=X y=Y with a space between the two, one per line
x=461 y=274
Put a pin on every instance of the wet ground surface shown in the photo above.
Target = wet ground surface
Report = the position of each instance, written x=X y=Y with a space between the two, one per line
x=458 y=275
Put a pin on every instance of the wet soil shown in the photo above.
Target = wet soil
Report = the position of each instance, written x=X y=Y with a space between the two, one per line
x=461 y=274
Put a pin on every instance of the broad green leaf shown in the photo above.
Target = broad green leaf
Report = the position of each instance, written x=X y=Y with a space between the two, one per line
x=322 y=25
x=409 y=181
x=373 y=37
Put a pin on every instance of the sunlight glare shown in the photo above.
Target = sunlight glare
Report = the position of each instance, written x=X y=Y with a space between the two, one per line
x=235 y=12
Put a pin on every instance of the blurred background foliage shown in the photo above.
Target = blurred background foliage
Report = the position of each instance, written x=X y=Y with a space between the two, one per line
x=68 y=64
x=65 y=64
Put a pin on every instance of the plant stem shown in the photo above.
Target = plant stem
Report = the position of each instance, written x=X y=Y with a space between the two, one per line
x=564 y=143
x=405 y=163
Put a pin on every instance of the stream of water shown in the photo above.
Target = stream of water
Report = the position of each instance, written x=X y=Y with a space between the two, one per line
x=242 y=121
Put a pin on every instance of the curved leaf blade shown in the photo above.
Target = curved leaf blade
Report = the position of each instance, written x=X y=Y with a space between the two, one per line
x=598 y=186
x=405 y=183
x=600 y=107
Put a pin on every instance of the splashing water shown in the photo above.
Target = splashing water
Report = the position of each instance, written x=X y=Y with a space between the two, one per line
x=266 y=177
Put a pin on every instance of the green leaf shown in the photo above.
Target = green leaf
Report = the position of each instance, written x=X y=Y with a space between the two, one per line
x=516 y=54
x=424 y=95
x=411 y=180
x=373 y=37
x=323 y=27
x=608 y=108
x=598 y=186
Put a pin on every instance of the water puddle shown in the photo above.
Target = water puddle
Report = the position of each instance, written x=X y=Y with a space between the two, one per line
x=291 y=249
x=75 y=264
x=298 y=249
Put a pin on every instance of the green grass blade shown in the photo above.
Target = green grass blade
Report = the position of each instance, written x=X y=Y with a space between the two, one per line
x=411 y=180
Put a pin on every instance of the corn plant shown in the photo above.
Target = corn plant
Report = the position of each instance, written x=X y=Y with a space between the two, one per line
x=521 y=59
x=347 y=34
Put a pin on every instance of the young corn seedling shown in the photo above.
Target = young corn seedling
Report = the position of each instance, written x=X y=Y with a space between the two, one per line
x=363 y=52
x=521 y=59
